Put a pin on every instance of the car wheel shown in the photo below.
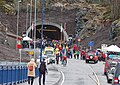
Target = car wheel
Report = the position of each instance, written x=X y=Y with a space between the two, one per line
x=108 y=80
x=96 y=61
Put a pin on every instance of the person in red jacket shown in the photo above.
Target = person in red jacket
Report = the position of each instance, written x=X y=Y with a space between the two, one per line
x=103 y=56
x=83 y=54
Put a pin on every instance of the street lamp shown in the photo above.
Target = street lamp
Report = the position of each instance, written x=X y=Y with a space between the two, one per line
x=27 y=17
x=17 y=22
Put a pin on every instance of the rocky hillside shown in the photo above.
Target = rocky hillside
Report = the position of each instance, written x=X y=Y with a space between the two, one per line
x=89 y=21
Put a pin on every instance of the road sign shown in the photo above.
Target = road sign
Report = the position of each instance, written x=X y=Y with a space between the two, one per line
x=91 y=43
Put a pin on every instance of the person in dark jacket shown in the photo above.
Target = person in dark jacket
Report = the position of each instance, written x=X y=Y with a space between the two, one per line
x=42 y=72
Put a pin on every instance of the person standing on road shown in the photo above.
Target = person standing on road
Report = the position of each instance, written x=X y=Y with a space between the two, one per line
x=31 y=71
x=42 y=71
x=71 y=53
x=57 y=55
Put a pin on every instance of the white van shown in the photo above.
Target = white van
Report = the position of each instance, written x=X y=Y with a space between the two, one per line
x=49 y=51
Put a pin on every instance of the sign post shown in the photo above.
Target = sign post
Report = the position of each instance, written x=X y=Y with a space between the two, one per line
x=20 y=55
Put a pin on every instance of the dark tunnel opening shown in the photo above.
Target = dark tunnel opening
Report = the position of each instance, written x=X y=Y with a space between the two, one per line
x=49 y=31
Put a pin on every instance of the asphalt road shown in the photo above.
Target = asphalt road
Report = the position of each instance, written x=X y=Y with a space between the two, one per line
x=77 y=72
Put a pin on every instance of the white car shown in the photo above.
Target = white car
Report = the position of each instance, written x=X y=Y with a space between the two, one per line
x=110 y=75
x=51 y=58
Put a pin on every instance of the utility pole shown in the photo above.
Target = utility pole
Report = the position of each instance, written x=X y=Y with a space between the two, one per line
x=17 y=22
x=35 y=32
x=42 y=30
x=30 y=12
x=27 y=16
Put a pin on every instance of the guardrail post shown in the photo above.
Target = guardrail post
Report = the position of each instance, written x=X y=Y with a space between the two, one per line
x=9 y=75
x=23 y=73
x=5 y=77
x=13 y=75
x=17 y=74
x=1 y=74
x=26 y=71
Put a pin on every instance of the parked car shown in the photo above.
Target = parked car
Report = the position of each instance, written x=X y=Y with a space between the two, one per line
x=90 y=56
x=116 y=77
x=110 y=74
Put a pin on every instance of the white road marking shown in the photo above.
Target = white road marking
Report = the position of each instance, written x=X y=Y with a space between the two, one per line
x=63 y=78
x=98 y=81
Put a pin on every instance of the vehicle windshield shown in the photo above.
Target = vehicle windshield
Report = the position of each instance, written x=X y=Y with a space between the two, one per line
x=48 y=52
x=113 y=64
x=90 y=54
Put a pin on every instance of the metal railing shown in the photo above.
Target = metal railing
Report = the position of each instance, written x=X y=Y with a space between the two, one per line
x=14 y=73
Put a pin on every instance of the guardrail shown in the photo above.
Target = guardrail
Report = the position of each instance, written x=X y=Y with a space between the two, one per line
x=14 y=74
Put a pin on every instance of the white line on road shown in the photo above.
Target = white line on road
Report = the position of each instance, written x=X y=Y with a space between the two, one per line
x=63 y=78
x=93 y=79
x=98 y=81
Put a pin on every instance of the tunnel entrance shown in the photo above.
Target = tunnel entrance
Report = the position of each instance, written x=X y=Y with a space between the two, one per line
x=51 y=31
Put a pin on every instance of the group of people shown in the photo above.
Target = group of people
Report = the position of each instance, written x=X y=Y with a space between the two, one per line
x=31 y=71
x=63 y=51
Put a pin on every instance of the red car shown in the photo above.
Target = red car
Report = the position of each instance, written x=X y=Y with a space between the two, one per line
x=90 y=56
